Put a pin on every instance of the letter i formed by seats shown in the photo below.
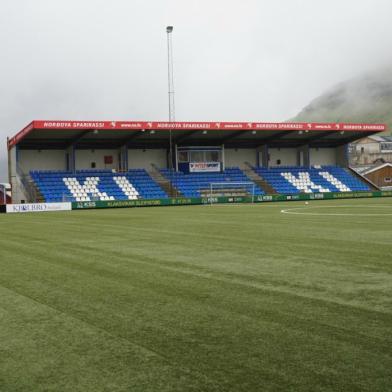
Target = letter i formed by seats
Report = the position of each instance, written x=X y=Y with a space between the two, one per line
x=127 y=188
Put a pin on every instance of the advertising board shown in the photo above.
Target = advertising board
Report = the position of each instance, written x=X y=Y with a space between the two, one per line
x=38 y=207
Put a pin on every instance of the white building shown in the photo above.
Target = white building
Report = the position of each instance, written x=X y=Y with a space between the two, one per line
x=371 y=150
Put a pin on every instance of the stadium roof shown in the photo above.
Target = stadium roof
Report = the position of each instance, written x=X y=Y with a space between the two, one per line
x=152 y=134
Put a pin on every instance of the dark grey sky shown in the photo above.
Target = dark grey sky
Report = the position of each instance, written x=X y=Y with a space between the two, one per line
x=250 y=60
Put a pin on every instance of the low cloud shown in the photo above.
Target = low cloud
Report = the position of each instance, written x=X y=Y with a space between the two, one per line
x=254 y=60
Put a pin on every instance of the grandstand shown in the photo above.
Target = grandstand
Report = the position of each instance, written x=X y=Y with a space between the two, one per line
x=52 y=161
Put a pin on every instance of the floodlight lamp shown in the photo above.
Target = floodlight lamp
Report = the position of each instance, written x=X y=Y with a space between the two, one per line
x=169 y=29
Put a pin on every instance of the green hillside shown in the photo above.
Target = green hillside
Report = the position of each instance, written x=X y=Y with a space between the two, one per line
x=364 y=99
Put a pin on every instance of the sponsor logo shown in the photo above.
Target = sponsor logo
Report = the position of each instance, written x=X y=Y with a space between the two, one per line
x=73 y=124
x=38 y=207
x=87 y=204
x=363 y=127
x=195 y=167
x=290 y=126
x=293 y=197
x=233 y=126
x=317 y=196
x=322 y=126
x=132 y=125
x=133 y=203
x=174 y=125
x=265 y=198
x=177 y=201
x=210 y=200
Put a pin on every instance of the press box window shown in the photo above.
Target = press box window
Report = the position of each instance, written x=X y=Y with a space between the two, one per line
x=183 y=156
x=212 y=156
x=197 y=156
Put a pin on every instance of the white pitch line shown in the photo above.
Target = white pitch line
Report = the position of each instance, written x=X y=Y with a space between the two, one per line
x=302 y=210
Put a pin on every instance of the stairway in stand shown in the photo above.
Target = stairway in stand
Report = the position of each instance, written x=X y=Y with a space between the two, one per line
x=35 y=192
x=247 y=169
x=31 y=191
x=163 y=182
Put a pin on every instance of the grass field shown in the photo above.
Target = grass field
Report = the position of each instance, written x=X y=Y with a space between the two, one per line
x=203 y=298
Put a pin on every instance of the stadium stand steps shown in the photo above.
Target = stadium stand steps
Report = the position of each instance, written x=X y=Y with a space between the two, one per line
x=253 y=176
x=37 y=195
x=31 y=191
x=163 y=182
x=28 y=187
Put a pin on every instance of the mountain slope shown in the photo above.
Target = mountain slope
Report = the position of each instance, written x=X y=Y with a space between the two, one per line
x=364 y=99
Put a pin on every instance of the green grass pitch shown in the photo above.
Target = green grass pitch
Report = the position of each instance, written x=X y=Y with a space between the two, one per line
x=202 y=298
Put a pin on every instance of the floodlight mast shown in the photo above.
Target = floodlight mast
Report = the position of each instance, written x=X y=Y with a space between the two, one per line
x=170 y=77
x=170 y=73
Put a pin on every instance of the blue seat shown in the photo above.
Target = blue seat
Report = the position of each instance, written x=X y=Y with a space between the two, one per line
x=191 y=184
x=53 y=186
x=294 y=179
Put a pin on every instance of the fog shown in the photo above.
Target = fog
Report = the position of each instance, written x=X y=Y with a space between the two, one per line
x=252 y=60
